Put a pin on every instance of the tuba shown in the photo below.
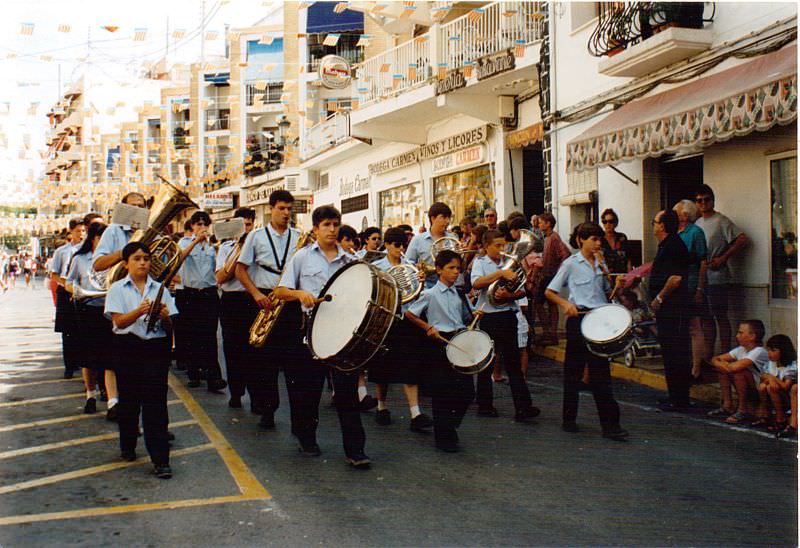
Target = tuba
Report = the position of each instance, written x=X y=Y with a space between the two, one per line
x=164 y=253
x=521 y=248
x=267 y=317
x=406 y=276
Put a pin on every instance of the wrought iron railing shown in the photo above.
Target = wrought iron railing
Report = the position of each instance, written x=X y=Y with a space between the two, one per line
x=622 y=24
x=271 y=94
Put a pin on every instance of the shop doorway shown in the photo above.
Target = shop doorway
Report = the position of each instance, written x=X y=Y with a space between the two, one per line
x=680 y=179
x=532 y=181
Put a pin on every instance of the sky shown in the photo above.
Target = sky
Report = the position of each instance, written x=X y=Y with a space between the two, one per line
x=31 y=64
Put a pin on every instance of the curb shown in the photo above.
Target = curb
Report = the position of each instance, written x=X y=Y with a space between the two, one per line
x=708 y=393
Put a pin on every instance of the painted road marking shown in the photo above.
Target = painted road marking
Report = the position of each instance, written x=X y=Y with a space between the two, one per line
x=93 y=470
x=57 y=420
x=74 y=442
x=41 y=400
x=34 y=383
x=32 y=369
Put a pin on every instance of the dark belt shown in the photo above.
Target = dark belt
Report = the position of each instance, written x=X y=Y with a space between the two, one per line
x=204 y=291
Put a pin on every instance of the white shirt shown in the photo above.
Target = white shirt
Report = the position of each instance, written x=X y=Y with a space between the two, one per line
x=787 y=372
x=758 y=356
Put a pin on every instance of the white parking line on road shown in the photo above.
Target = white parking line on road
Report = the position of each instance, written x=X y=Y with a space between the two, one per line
x=34 y=383
x=42 y=400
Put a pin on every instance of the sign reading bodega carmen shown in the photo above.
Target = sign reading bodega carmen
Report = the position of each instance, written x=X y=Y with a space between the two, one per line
x=432 y=150
x=452 y=81
x=495 y=64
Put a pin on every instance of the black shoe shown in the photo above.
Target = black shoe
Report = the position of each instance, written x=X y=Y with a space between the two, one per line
x=368 y=403
x=180 y=366
x=421 y=423
x=383 y=417
x=618 y=434
x=193 y=383
x=570 y=427
x=448 y=446
x=488 y=412
x=69 y=374
x=217 y=385
x=530 y=413
x=359 y=461
x=235 y=402
x=170 y=436
x=162 y=471
x=90 y=407
x=128 y=456
x=257 y=409
x=310 y=449
x=111 y=414
x=267 y=421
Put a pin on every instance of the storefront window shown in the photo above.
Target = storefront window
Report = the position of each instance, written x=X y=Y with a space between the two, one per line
x=467 y=193
x=783 y=175
x=402 y=205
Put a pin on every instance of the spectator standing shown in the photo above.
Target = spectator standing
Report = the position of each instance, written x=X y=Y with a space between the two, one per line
x=490 y=218
x=701 y=324
x=667 y=289
x=724 y=240
x=615 y=244
x=555 y=252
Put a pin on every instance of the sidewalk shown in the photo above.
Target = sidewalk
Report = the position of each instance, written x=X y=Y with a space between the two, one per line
x=647 y=371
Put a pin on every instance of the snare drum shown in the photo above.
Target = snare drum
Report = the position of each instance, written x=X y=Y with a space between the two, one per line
x=608 y=330
x=471 y=351
x=348 y=330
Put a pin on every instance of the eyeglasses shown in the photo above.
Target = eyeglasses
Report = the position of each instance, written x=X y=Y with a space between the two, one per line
x=608 y=221
x=489 y=215
x=704 y=199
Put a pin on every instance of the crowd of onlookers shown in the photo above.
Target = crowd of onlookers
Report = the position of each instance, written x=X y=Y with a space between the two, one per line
x=19 y=267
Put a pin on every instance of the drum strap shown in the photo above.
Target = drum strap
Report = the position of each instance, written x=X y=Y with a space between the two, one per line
x=280 y=263
x=466 y=310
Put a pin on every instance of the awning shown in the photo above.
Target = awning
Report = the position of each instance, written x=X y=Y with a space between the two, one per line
x=218 y=78
x=322 y=19
x=525 y=136
x=755 y=95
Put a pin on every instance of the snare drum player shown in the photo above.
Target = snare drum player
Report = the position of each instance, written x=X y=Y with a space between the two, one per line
x=306 y=274
x=202 y=304
x=500 y=322
x=583 y=274
x=264 y=256
x=446 y=311
x=398 y=366
x=142 y=358
x=66 y=320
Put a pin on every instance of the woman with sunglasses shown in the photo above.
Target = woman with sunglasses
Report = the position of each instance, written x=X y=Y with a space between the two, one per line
x=614 y=243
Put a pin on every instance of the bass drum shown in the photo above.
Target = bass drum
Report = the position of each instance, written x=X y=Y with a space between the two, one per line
x=471 y=351
x=346 y=331
x=608 y=330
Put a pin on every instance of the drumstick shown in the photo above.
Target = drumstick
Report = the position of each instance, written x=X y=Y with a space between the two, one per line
x=476 y=318
x=326 y=299
x=454 y=345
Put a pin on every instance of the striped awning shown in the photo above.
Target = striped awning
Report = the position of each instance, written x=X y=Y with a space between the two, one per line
x=755 y=95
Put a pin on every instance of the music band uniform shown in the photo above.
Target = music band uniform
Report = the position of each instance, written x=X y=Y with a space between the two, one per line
x=95 y=334
x=587 y=290
x=265 y=253
x=309 y=270
x=419 y=250
x=66 y=320
x=141 y=363
x=451 y=392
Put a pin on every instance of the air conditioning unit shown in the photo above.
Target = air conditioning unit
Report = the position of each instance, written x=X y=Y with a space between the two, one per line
x=291 y=182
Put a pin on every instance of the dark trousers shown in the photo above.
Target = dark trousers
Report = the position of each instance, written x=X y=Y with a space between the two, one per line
x=141 y=367
x=68 y=324
x=305 y=378
x=451 y=394
x=578 y=356
x=236 y=314
x=676 y=350
x=200 y=329
x=179 y=329
x=502 y=328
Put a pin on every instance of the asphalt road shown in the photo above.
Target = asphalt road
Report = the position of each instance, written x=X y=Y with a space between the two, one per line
x=680 y=480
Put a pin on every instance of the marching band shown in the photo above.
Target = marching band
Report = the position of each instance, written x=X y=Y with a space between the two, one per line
x=306 y=305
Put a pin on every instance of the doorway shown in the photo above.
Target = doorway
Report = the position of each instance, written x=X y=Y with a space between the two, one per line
x=532 y=181
x=679 y=179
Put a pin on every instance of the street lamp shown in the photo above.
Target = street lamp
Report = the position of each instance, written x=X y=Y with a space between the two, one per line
x=283 y=127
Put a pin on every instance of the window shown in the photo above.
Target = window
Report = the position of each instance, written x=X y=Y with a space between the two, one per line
x=468 y=193
x=402 y=205
x=581 y=13
x=783 y=180
x=356 y=203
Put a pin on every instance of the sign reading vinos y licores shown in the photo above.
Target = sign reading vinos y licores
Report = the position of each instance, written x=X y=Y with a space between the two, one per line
x=453 y=143
x=495 y=64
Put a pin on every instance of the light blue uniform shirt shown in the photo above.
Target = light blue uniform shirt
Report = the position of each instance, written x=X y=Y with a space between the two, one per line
x=197 y=271
x=123 y=296
x=385 y=265
x=309 y=270
x=443 y=307
x=61 y=258
x=257 y=251
x=114 y=238
x=420 y=250
x=224 y=252
x=78 y=275
x=483 y=266
x=586 y=282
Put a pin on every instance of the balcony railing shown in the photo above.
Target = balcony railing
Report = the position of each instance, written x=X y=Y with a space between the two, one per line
x=270 y=94
x=217 y=120
x=326 y=135
x=501 y=25
x=396 y=70
x=621 y=24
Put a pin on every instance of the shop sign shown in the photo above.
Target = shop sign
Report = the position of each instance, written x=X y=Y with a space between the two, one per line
x=350 y=185
x=495 y=64
x=217 y=200
x=452 y=81
x=442 y=147
x=334 y=71
x=260 y=194
x=462 y=158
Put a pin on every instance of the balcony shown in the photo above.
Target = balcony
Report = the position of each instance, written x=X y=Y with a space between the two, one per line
x=325 y=135
x=641 y=37
x=218 y=119
x=270 y=95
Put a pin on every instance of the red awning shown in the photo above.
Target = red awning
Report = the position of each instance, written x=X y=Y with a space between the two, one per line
x=755 y=95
